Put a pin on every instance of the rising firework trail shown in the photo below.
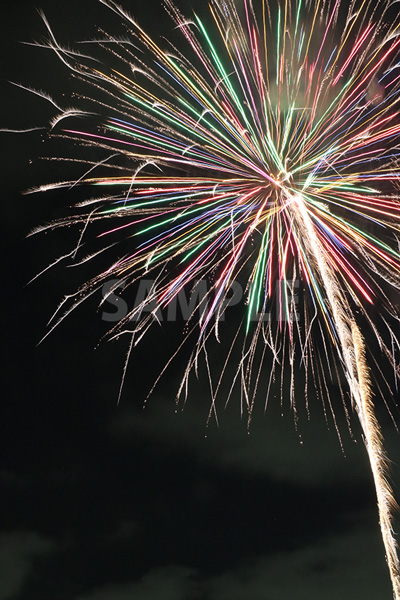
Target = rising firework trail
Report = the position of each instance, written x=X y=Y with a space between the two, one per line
x=261 y=148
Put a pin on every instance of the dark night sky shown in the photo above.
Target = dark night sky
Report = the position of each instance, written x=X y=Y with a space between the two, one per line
x=101 y=501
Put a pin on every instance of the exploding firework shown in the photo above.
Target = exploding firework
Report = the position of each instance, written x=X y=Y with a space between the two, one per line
x=261 y=149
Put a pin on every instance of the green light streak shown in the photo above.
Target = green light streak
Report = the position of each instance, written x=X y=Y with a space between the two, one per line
x=278 y=43
x=184 y=213
x=224 y=74
x=256 y=287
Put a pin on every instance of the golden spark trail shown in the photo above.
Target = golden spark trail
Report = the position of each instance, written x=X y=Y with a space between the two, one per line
x=351 y=349
x=374 y=445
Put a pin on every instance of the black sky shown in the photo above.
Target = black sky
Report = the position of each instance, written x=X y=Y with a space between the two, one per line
x=101 y=501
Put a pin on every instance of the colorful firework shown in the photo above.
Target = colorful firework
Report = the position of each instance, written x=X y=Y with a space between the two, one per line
x=264 y=150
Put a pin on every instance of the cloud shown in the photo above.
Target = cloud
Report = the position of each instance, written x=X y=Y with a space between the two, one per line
x=18 y=552
x=125 y=530
x=311 y=455
x=166 y=583
x=347 y=566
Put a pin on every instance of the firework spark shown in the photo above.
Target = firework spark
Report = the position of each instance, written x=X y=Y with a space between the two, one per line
x=266 y=150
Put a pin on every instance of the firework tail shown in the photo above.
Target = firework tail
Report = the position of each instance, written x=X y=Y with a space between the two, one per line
x=317 y=123
x=351 y=348
x=374 y=445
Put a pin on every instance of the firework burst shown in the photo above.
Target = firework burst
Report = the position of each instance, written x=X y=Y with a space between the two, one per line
x=263 y=149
